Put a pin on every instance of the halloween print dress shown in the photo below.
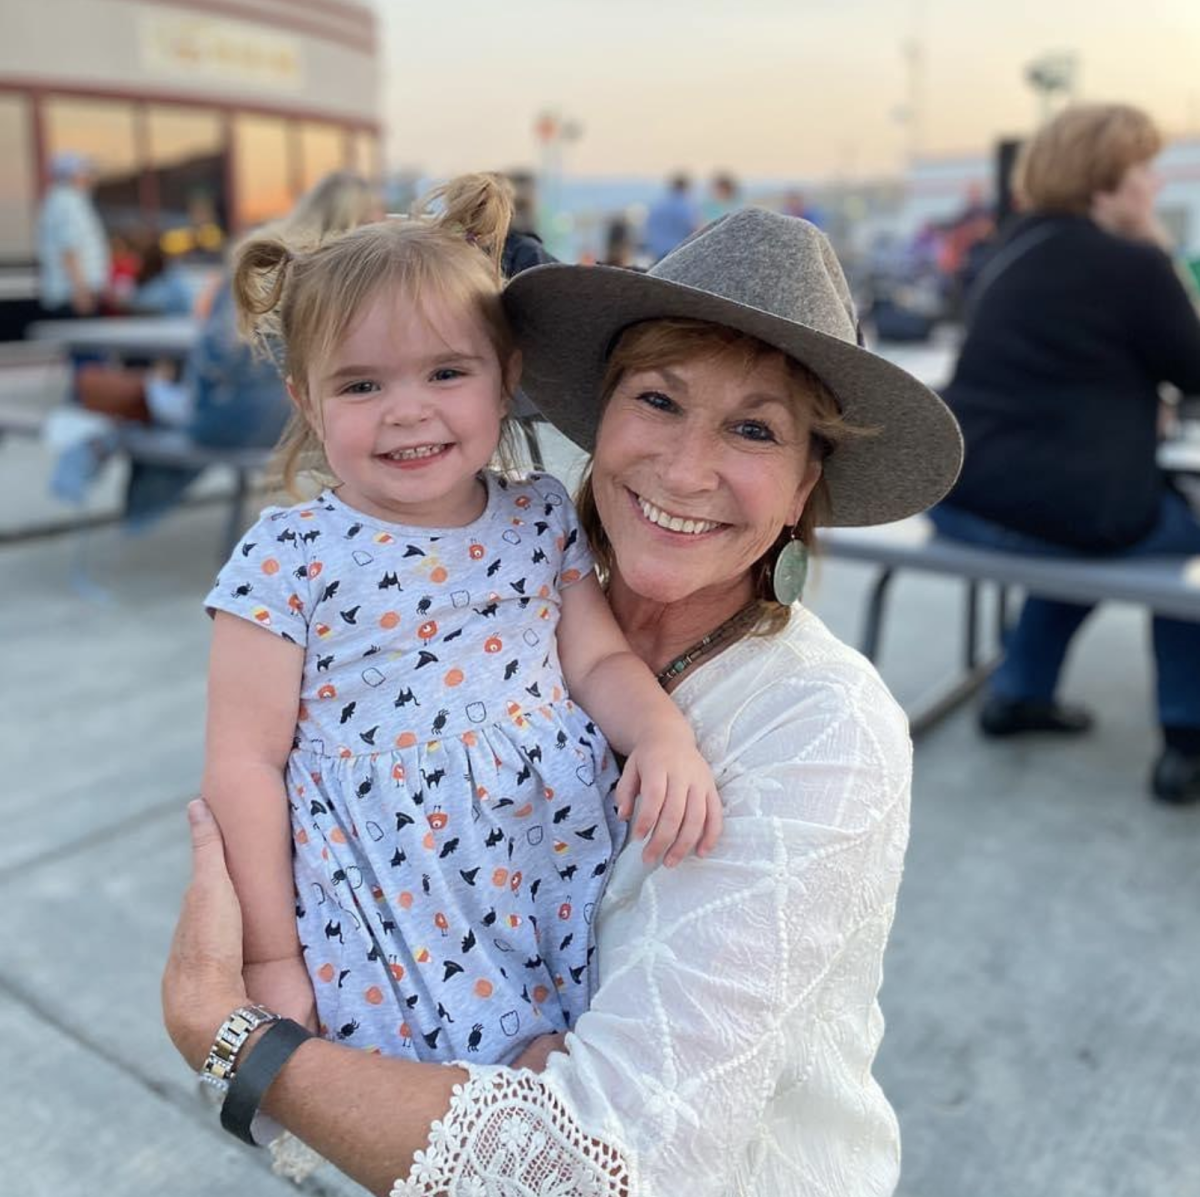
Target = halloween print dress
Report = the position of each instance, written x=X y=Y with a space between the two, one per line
x=452 y=809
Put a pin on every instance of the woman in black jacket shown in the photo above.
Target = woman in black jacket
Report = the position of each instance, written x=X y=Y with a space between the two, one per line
x=1076 y=321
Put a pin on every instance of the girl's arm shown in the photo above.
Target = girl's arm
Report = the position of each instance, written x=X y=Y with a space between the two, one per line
x=253 y=695
x=679 y=800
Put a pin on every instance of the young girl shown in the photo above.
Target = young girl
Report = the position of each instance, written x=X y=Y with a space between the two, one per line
x=418 y=815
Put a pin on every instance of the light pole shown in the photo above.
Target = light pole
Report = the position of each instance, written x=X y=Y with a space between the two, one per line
x=553 y=132
x=1053 y=76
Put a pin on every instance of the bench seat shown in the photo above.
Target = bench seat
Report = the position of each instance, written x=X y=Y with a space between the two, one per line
x=1167 y=586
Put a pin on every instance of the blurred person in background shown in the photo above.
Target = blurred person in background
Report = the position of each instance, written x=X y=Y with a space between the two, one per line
x=1074 y=323
x=228 y=396
x=161 y=284
x=672 y=218
x=523 y=246
x=723 y=197
x=73 y=252
x=619 y=243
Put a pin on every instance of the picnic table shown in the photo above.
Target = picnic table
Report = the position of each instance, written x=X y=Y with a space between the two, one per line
x=121 y=336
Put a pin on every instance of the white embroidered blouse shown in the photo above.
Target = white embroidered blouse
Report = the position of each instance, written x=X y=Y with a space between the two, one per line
x=729 y=1047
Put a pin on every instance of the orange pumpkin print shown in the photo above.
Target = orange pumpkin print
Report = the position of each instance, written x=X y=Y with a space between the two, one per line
x=500 y=878
x=427 y=630
x=493 y=644
x=540 y=993
x=522 y=500
x=326 y=972
x=270 y=566
x=428 y=842
x=404 y=899
x=406 y=739
x=549 y=792
x=454 y=677
x=484 y=988
x=302 y=836
x=338 y=835
x=314 y=569
x=389 y=620
x=295 y=604
x=523 y=812
x=469 y=739
x=569 y=576
x=397 y=970
x=475 y=552
x=373 y=995
x=438 y=574
x=405 y=1033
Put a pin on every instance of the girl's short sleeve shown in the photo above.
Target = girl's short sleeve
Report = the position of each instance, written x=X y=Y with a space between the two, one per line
x=266 y=579
x=577 y=559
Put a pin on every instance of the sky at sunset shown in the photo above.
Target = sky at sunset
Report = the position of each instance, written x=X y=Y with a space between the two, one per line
x=766 y=88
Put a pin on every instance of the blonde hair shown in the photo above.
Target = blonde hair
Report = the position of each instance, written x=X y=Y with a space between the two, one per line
x=667 y=342
x=339 y=202
x=307 y=298
x=1083 y=151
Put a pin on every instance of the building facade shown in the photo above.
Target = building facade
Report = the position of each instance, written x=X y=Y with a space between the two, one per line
x=203 y=117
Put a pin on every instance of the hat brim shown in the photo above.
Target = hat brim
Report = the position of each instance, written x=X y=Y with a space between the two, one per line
x=566 y=318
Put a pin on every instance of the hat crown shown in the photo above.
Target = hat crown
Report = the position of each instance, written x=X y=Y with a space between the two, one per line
x=779 y=264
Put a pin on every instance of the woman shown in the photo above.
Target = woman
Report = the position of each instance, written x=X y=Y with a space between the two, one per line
x=1075 y=322
x=729 y=1045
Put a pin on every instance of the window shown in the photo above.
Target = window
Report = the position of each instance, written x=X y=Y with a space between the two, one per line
x=262 y=169
x=187 y=160
x=17 y=189
x=366 y=156
x=322 y=150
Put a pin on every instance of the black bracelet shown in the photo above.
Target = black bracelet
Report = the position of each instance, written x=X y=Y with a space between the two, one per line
x=256 y=1073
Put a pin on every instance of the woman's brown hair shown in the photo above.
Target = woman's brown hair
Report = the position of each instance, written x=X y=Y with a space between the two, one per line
x=306 y=297
x=1086 y=149
x=656 y=343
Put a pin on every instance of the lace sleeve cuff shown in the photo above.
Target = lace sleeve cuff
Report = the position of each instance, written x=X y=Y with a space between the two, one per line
x=510 y=1132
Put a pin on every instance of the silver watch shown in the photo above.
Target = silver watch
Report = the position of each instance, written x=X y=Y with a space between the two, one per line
x=218 y=1069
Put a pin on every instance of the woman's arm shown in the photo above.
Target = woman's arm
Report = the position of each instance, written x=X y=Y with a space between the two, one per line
x=679 y=800
x=367 y=1115
x=253 y=696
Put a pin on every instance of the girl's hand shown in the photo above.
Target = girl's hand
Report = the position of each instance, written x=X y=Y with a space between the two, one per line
x=676 y=798
x=284 y=987
x=202 y=983
x=535 y=1056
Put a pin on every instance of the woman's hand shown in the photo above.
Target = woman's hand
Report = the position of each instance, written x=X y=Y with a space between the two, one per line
x=202 y=983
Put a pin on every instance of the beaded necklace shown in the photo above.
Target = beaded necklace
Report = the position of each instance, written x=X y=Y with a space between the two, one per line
x=686 y=660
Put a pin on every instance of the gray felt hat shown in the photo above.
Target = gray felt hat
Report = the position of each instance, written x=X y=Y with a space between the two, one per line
x=775 y=278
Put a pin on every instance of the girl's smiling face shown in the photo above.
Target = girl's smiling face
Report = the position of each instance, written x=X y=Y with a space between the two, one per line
x=697 y=468
x=408 y=409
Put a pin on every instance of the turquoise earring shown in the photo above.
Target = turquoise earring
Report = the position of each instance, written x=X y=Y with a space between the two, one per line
x=790 y=571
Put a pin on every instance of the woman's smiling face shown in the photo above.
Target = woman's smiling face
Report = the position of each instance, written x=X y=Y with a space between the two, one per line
x=698 y=466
